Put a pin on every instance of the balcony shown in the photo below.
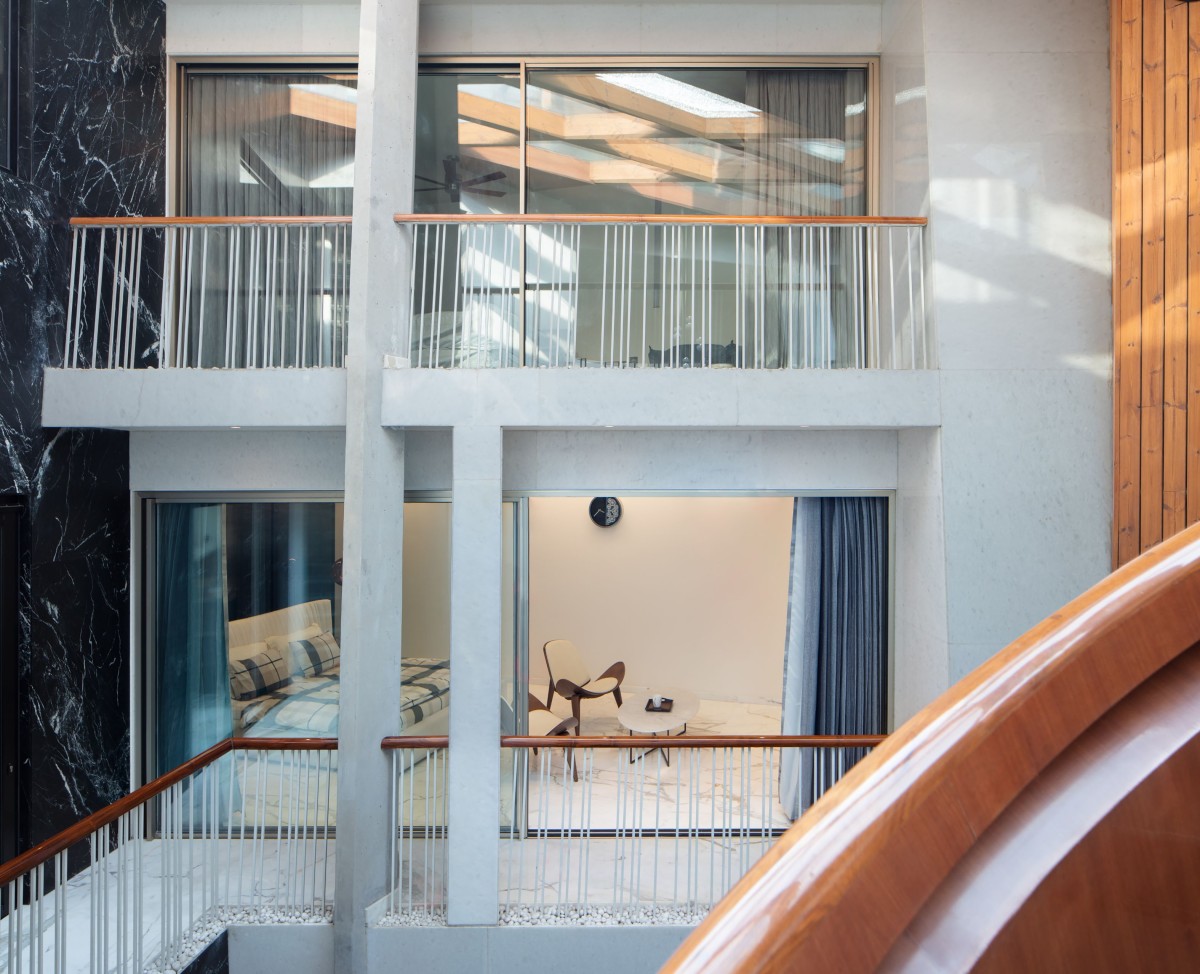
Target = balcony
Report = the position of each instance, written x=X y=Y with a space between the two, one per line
x=579 y=321
x=668 y=292
x=593 y=831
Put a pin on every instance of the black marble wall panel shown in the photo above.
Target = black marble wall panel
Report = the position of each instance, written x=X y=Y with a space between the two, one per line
x=213 y=960
x=91 y=137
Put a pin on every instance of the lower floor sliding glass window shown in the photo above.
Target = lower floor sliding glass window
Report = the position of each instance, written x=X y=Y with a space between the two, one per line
x=246 y=623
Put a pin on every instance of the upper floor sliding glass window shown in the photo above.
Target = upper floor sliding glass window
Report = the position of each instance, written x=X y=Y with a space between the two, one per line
x=268 y=142
x=762 y=140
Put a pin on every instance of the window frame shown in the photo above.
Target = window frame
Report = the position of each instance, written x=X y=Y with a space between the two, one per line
x=178 y=70
x=522 y=65
x=9 y=20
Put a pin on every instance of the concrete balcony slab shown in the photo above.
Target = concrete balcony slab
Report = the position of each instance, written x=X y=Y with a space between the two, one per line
x=661 y=399
x=148 y=399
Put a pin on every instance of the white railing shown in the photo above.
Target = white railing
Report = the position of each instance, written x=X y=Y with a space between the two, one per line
x=650 y=830
x=417 y=848
x=668 y=292
x=195 y=292
x=243 y=833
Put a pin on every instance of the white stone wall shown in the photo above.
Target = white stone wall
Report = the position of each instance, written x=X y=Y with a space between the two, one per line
x=1020 y=175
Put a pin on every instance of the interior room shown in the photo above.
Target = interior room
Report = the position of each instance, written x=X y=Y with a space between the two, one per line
x=690 y=593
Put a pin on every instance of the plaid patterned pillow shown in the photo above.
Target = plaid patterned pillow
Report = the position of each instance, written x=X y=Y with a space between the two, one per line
x=314 y=656
x=256 y=675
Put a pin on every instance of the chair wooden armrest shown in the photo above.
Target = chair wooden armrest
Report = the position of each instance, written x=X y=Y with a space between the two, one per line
x=616 y=671
x=566 y=689
x=564 y=727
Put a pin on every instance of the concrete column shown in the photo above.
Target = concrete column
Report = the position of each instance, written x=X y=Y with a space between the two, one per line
x=374 y=513
x=475 y=583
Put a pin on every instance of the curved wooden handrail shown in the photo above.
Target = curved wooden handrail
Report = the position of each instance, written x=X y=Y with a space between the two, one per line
x=203 y=221
x=52 y=846
x=842 y=885
x=710 y=741
x=622 y=219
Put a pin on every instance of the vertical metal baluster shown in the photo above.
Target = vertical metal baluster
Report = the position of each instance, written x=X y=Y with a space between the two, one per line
x=892 y=299
x=253 y=306
x=921 y=305
x=72 y=336
x=393 y=824
x=227 y=357
x=328 y=825
x=739 y=233
x=269 y=252
x=439 y=234
x=858 y=238
x=203 y=295
x=603 y=289
x=237 y=354
x=324 y=333
x=872 y=239
x=114 y=291
x=303 y=274
x=131 y=310
x=710 y=271
x=117 y=354
x=167 y=320
x=645 y=293
x=760 y=287
x=425 y=339
x=189 y=262
x=683 y=755
x=80 y=302
x=99 y=298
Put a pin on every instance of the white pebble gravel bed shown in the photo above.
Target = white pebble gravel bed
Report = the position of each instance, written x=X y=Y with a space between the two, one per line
x=413 y=919
x=209 y=927
x=602 y=916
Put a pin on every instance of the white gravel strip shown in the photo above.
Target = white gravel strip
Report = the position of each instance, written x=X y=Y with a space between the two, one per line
x=414 y=919
x=209 y=927
x=602 y=916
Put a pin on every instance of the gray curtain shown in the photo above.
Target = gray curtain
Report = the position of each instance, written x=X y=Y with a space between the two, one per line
x=810 y=161
x=266 y=145
x=269 y=145
x=835 y=657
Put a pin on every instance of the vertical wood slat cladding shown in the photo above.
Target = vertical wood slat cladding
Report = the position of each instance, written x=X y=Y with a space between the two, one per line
x=1156 y=271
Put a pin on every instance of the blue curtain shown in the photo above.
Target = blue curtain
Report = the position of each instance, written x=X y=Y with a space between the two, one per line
x=190 y=622
x=835 y=657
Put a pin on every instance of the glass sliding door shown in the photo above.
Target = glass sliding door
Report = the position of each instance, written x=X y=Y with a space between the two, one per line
x=269 y=143
x=467 y=161
x=753 y=142
x=674 y=141
x=266 y=144
x=246 y=609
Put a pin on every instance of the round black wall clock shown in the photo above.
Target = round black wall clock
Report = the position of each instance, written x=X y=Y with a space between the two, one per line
x=605 y=511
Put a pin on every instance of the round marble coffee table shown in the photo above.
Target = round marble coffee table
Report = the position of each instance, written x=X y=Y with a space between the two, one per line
x=636 y=719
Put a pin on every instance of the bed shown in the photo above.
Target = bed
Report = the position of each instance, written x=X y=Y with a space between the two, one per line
x=284 y=676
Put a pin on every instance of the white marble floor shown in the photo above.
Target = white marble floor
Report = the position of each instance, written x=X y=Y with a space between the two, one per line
x=181 y=893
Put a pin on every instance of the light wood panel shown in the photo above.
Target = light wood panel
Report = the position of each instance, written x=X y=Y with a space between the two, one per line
x=1156 y=271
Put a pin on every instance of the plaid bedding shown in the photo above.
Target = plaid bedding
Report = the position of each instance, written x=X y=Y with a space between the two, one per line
x=309 y=705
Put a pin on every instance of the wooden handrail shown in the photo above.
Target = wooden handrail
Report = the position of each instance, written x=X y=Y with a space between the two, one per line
x=413 y=743
x=702 y=741
x=841 y=887
x=203 y=221
x=52 y=846
x=709 y=741
x=622 y=219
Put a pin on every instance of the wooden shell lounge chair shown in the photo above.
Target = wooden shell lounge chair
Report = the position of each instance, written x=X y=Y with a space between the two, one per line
x=569 y=677
x=545 y=723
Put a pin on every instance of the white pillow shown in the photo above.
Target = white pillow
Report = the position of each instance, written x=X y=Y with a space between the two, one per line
x=282 y=644
x=247 y=650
